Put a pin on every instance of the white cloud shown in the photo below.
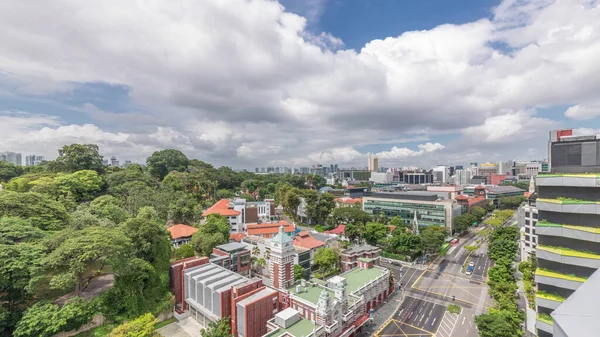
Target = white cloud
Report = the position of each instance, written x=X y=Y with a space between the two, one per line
x=584 y=111
x=244 y=82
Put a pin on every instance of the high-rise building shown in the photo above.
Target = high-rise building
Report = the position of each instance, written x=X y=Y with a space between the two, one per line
x=462 y=177
x=11 y=157
x=568 y=239
x=373 y=164
x=33 y=160
x=441 y=174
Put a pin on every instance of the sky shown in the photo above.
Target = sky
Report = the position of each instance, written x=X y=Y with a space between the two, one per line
x=255 y=83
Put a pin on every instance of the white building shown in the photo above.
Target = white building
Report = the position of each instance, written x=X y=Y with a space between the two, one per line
x=373 y=164
x=33 y=160
x=382 y=177
x=528 y=217
x=440 y=173
x=11 y=157
x=462 y=177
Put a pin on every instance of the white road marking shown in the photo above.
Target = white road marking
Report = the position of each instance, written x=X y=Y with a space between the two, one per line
x=432 y=323
x=463 y=322
x=420 y=310
x=430 y=312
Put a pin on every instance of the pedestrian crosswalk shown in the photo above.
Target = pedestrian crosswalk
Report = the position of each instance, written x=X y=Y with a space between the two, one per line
x=447 y=325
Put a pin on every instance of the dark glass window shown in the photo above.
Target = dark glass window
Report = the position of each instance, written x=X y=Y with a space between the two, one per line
x=574 y=154
x=527 y=215
x=527 y=238
x=527 y=223
x=535 y=215
x=527 y=230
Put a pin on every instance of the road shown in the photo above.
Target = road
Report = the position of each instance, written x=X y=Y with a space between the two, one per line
x=429 y=291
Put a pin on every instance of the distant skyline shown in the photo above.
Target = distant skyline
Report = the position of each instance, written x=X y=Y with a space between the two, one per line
x=260 y=83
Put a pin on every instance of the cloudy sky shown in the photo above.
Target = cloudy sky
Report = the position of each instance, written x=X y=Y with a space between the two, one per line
x=248 y=83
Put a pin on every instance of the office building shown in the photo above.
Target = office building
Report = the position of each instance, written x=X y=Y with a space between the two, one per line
x=11 y=157
x=429 y=208
x=462 y=177
x=33 y=160
x=373 y=164
x=415 y=177
x=441 y=174
x=446 y=191
x=486 y=170
x=568 y=237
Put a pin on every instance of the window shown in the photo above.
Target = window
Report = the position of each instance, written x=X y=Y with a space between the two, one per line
x=527 y=223
x=527 y=238
x=527 y=214
x=527 y=230
x=535 y=215
x=527 y=244
x=534 y=240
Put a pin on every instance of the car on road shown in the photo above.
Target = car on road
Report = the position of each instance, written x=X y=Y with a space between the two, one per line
x=469 y=269
x=471 y=263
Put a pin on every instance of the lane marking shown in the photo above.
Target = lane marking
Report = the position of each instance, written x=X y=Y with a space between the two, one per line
x=432 y=323
x=463 y=322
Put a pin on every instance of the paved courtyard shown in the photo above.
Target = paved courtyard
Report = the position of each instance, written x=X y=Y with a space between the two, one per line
x=187 y=327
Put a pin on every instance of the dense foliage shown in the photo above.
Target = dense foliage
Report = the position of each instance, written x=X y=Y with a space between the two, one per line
x=505 y=318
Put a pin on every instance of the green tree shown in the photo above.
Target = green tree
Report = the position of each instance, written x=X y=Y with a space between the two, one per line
x=398 y=222
x=39 y=320
x=353 y=232
x=502 y=249
x=350 y=215
x=109 y=207
x=184 y=251
x=325 y=205
x=471 y=249
x=213 y=233
x=152 y=240
x=21 y=263
x=42 y=211
x=432 y=238
x=160 y=163
x=402 y=242
x=291 y=202
x=478 y=212
x=488 y=206
x=82 y=185
x=496 y=325
x=9 y=171
x=220 y=328
x=374 y=232
x=512 y=202
x=82 y=218
x=142 y=326
x=83 y=255
x=299 y=272
x=464 y=221
x=17 y=230
x=326 y=261
x=77 y=157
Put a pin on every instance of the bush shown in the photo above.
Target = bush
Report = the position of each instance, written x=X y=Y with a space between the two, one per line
x=454 y=309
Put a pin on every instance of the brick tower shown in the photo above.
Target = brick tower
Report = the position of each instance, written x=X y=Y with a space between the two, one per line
x=281 y=264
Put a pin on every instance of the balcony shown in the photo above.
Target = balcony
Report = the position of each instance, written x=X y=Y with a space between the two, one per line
x=560 y=280
x=591 y=234
x=568 y=256
x=544 y=322
x=548 y=300
x=575 y=180
x=567 y=205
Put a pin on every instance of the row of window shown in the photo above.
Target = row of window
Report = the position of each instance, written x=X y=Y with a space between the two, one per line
x=528 y=215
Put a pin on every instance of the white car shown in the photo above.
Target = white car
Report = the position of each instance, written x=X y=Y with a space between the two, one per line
x=471 y=264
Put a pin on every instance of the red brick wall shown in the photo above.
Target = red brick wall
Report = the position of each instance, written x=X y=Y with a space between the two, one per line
x=176 y=278
x=275 y=276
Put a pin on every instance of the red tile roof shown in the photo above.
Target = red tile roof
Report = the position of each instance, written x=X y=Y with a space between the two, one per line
x=476 y=200
x=338 y=230
x=270 y=228
x=237 y=236
x=461 y=197
x=181 y=231
x=305 y=240
x=222 y=208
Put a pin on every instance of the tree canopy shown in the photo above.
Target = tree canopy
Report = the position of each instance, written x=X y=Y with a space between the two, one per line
x=160 y=163
x=77 y=157
x=211 y=234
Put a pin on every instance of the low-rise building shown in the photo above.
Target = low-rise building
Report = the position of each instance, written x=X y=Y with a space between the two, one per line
x=233 y=256
x=269 y=230
x=428 y=207
x=347 y=202
x=446 y=191
x=224 y=208
x=467 y=203
x=305 y=240
x=181 y=234
x=260 y=247
x=350 y=257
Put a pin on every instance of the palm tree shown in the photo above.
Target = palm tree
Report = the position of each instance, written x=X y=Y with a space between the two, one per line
x=255 y=251
x=261 y=263
x=267 y=254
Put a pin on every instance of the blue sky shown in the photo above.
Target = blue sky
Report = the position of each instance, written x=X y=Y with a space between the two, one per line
x=240 y=83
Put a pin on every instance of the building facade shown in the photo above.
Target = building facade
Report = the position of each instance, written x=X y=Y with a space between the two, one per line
x=234 y=256
x=430 y=210
x=33 y=160
x=568 y=235
x=527 y=216
x=373 y=165
x=350 y=257
x=281 y=263
x=11 y=157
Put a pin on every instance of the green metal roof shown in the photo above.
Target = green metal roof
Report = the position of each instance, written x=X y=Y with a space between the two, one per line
x=310 y=294
x=358 y=277
x=365 y=259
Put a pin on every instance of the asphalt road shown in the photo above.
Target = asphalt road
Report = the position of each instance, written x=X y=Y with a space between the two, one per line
x=416 y=318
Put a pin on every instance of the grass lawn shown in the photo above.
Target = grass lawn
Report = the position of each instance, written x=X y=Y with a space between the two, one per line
x=165 y=323
x=100 y=331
